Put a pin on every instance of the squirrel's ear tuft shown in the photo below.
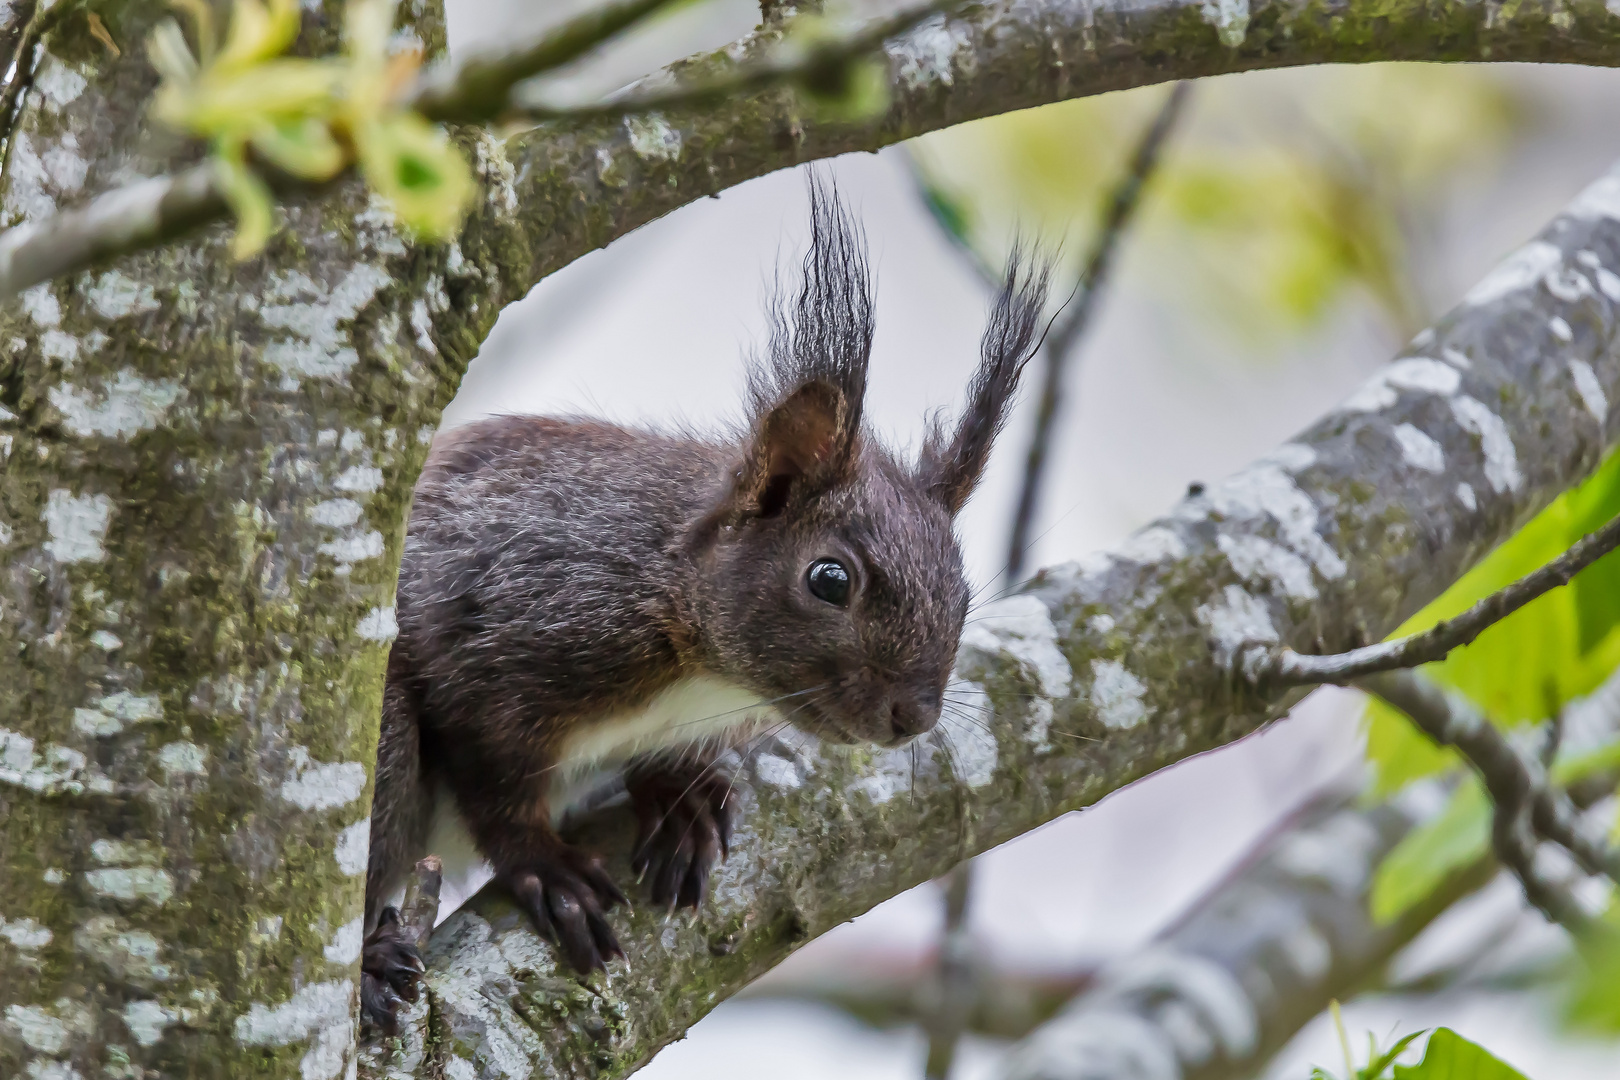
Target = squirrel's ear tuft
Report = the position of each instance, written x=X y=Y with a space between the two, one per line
x=952 y=462
x=807 y=390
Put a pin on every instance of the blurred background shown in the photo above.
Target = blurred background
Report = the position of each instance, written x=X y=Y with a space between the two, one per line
x=1300 y=227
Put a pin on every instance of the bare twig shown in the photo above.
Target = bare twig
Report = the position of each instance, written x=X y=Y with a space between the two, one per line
x=1284 y=667
x=481 y=88
x=957 y=979
x=1525 y=799
x=420 y=908
x=789 y=63
x=1071 y=325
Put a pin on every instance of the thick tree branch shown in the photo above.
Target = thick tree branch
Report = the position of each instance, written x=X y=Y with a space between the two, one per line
x=1106 y=669
x=1289 y=668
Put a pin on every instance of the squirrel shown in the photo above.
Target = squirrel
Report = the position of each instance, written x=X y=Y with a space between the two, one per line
x=576 y=596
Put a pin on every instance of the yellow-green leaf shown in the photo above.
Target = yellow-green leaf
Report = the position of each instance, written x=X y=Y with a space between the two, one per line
x=216 y=103
x=304 y=148
x=1449 y=1056
x=1429 y=853
x=249 y=199
x=411 y=164
x=258 y=32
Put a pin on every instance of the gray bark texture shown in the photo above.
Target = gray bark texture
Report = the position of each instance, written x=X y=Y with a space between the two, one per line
x=207 y=468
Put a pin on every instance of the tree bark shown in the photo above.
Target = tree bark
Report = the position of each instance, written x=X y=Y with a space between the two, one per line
x=207 y=468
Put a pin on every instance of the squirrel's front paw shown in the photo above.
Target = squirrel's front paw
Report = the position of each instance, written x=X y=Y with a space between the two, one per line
x=566 y=895
x=390 y=972
x=683 y=830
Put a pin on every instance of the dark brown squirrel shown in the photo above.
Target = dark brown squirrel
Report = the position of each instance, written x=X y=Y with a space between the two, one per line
x=576 y=596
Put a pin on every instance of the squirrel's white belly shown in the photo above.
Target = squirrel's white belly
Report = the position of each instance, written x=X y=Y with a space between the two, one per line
x=690 y=711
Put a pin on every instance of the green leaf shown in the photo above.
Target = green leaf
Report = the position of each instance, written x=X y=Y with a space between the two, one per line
x=1573 y=767
x=249 y=199
x=1594 y=1001
x=1425 y=856
x=301 y=147
x=1400 y=753
x=1378 y=1066
x=1449 y=1056
x=410 y=163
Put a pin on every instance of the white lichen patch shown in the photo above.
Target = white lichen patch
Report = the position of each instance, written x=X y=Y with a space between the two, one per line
x=116 y=295
x=1154 y=544
x=927 y=55
x=25 y=934
x=1266 y=490
x=1237 y=621
x=1560 y=329
x=1230 y=18
x=1020 y=628
x=1456 y=359
x=148 y=883
x=112 y=713
x=55 y=770
x=318 y=347
x=1465 y=495
x=1521 y=270
x=311 y=1009
x=77 y=524
x=1501 y=460
x=968 y=742
x=42 y=306
x=335 y=513
x=1591 y=391
x=128 y=954
x=116 y=409
x=37 y=1028
x=182 y=758
x=56 y=345
x=344 y=946
x=359 y=478
x=1419 y=450
x=468 y=965
x=1259 y=561
x=353 y=848
x=1118 y=696
x=57 y=83
x=347 y=550
x=314 y=785
x=146 y=1021
x=35 y=178
x=776 y=772
x=888 y=775
x=1416 y=373
x=105 y=640
x=652 y=138
x=378 y=624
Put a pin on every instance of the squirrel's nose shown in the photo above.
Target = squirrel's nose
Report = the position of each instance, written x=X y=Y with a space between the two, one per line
x=909 y=717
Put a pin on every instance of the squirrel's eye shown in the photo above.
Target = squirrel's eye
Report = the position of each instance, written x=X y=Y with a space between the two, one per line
x=829 y=580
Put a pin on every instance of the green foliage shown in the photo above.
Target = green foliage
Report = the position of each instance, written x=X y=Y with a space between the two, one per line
x=300 y=115
x=1593 y=1004
x=1449 y=1056
x=1460 y=836
x=1558 y=647
x=1271 y=209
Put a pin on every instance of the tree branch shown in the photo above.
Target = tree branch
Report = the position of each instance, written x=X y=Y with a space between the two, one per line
x=1289 y=668
x=1528 y=806
x=1104 y=670
x=1067 y=329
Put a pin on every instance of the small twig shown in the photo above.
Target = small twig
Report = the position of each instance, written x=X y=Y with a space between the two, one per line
x=784 y=65
x=1070 y=325
x=18 y=58
x=957 y=984
x=1520 y=789
x=481 y=87
x=420 y=908
x=1285 y=667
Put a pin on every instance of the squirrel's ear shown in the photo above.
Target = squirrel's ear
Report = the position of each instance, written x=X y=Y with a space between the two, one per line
x=799 y=443
x=952 y=461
